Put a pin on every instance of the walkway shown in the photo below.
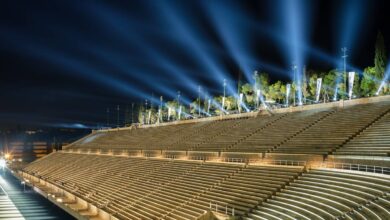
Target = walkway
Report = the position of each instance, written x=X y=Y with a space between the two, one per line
x=19 y=203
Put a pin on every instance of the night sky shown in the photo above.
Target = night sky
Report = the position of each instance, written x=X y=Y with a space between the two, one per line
x=63 y=63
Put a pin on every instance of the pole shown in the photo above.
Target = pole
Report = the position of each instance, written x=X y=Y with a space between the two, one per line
x=108 y=117
x=146 y=110
x=161 y=108
x=224 y=95
x=199 y=88
x=294 y=67
x=132 y=112
x=117 y=119
x=178 y=98
x=255 y=76
x=344 y=56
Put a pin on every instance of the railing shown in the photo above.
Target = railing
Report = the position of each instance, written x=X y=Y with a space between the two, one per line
x=170 y=156
x=286 y=162
x=223 y=209
x=235 y=160
x=357 y=167
x=204 y=158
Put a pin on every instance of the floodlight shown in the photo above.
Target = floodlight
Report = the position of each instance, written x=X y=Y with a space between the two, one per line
x=2 y=163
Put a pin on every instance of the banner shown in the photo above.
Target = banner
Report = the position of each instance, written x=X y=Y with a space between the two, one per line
x=258 y=93
x=208 y=106
x=223 y=102
x=318 y=89
x=149 y=116
x=159 y=116
x=179 y=112
x=240 y=102
x=288 y=89
x=351 y=79
x=169 y=113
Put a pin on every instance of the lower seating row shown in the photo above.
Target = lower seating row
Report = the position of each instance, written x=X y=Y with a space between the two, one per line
x=140 y=188
x=330 y=194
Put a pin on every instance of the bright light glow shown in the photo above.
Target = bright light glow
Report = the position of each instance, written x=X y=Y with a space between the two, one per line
x=385 y=79
x=59 y=200
x=2 y=163
x=7 y=156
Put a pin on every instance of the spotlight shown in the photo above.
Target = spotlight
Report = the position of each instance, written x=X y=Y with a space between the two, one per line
x=380 y=87
x=2 y=163
x=7 y=156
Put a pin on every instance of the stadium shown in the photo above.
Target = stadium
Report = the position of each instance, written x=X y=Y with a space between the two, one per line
x=325 y=161
x=194 y=110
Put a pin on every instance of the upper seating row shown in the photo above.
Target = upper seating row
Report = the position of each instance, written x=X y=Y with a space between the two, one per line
x=321 y=131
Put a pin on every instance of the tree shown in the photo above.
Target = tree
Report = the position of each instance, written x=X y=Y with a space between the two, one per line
x=312 y=87
x=356 y=86
x=369 y=85
x=380 y=57
x=330 y=81
x=231 y=103
x=247 y=90
x=276 y=92
x=305 y=86
x=173 y=106
x=141 y=114
x=263 y=80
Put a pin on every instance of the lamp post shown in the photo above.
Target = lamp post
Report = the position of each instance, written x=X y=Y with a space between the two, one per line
x=255 y=76
x=117 y=119
x=344 y=56
x=132 y=112
x=161 y=109
x=199 y=89
x=178 y=103
x=224 y=95
x=108 y=117
x=146 y=110
x=294 y=68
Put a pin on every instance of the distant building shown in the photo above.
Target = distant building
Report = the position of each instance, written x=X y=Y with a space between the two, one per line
x=29 y=145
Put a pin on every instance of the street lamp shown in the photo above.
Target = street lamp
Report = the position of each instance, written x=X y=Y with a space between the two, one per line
x=146 y=110
x=178 y=103
x=255 y=76
x=294 y=68
x=344 y=56
x=199 y=89
x=224 y=95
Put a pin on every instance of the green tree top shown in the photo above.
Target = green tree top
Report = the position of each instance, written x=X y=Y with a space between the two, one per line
x=380 y=56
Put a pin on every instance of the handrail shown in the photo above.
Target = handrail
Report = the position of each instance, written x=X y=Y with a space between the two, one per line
x=357 y=167
x=224 y=209
x=198 y=157
x=235 y=160
x=287 y=162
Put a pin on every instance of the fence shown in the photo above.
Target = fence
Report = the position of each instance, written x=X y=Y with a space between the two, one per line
x=358 y=167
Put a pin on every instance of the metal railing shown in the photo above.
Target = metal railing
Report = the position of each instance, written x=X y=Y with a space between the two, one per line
x=204 y=158
x=235 y=160
x=357 y=167
x=286 y=162
x=170 y=156
x=223 y=209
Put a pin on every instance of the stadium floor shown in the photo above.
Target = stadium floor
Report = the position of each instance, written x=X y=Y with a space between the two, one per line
x=28 y=204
